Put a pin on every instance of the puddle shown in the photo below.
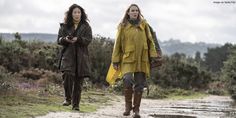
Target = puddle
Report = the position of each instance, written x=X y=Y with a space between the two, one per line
x=219 y=107
x=171 y=116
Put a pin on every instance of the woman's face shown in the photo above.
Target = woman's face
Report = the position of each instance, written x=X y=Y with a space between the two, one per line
x=76 y=14
x=133 y=12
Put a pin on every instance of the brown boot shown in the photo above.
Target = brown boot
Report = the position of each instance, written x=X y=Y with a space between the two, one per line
x=137 y=101
x=128 y=100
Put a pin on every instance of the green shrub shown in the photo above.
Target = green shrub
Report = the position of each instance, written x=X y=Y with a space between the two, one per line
x=229 y=73
x=178 y=73
x=6 y=84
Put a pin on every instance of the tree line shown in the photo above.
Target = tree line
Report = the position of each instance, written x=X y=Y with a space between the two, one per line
x=215 y=72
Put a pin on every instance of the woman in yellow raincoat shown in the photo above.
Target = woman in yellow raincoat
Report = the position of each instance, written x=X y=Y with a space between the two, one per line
x=132 y=53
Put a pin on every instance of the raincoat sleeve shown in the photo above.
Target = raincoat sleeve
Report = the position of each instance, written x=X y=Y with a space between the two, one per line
x=117 y=50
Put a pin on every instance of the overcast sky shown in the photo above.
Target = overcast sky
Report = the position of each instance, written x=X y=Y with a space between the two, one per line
x=211 y=21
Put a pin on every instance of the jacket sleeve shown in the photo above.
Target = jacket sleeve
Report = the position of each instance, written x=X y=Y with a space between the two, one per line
x=117 y=50
x=86 y=37
x=61 y=36
x=151 y=45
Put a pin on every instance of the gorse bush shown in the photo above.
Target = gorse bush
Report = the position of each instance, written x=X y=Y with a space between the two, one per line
x=18 y=55
x=6 y=84
x=100 y=51
x=177 y=73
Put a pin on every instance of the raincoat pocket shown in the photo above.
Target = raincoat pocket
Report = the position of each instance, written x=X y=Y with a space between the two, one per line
x=129 y=55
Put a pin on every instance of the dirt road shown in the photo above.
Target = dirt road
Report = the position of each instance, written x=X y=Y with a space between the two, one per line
x=208 y=107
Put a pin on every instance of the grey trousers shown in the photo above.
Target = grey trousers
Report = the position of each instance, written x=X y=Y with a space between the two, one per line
x=136 y=80
x=73 y=88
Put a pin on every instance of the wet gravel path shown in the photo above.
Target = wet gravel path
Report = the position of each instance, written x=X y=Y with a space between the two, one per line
x=208 y=107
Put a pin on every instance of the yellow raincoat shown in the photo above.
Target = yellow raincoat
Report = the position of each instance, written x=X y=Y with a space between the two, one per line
x=131 y=48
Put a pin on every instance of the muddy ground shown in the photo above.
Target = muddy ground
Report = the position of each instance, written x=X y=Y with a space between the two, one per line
x=208 y=107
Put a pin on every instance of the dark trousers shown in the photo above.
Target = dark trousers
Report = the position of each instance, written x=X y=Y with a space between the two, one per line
x=136 y=80
x=73 y=88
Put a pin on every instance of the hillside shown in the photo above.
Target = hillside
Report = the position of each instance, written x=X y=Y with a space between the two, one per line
x=169 y=47
x=172 y=46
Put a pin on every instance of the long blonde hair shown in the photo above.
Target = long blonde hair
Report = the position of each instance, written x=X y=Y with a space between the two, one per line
x=126 y=16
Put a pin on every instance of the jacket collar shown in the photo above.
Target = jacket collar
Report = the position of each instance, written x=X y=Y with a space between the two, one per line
x=141 y=25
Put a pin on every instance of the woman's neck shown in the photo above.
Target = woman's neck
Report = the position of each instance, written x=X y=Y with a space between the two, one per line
x=76 y=23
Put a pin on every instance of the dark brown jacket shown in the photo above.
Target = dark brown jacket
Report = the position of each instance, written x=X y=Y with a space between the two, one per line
x=68 y=60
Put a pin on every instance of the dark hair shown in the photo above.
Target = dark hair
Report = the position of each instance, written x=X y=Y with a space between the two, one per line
x=65 y=17
x=126 y=16
x=69 y=18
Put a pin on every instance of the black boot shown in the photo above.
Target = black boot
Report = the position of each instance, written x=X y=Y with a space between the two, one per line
x=76 y=94
x=66 y=103
x=67 y=84
x=76 y=102
x=76 y=108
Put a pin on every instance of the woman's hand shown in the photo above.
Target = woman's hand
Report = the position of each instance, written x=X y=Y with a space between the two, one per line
x=156 y=61
x=116 y=66
x=68 y=39
x=71 y=40
x=74 y=39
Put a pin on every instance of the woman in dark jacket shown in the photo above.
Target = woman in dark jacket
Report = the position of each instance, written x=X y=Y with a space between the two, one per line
x=74 y=35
